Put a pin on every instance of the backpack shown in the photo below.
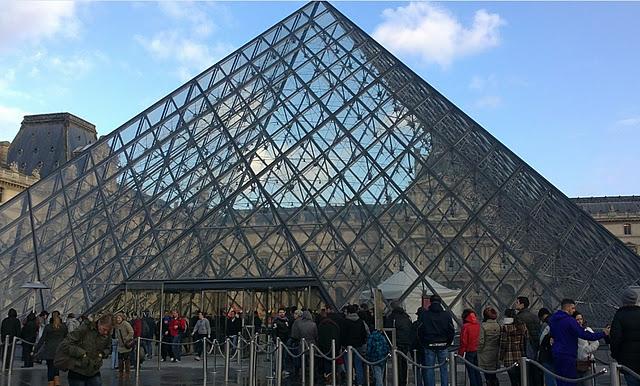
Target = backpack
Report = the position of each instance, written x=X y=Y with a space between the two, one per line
x=377 y=346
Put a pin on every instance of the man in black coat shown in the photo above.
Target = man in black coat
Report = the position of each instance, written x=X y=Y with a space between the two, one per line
x=10 y=326
x=399 y=320
x=437 y=333
x=625 y=335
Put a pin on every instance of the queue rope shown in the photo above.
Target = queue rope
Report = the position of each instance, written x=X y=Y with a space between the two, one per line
x=378 y=362
x=565 y=379
x=475 y=367
x=414 y=363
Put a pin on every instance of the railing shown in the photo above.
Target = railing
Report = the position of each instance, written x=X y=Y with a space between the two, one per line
x=309 y=352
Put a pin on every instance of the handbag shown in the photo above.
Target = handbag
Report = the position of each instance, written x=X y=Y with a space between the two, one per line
x=583 y=365
x=127 y=343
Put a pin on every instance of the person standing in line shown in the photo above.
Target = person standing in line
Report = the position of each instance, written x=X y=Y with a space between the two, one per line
x=586 y=349
x=469 y=339
x=166 y=348
x=437 y=333
x=401 y=321
x=328 y=330
x=544 y=348
x=355 y=334
x=54 y=333
x=10 y=326
x=72 y=322
x=233 y=329
x=29 y=334
x=148 y=332
x=177 y=328
x=533 y=326
x=201 y=330
x=489 y=345
x=82 y=351
x=625 y=335
x=513 y=336
x=124 y=335
x=566 y=332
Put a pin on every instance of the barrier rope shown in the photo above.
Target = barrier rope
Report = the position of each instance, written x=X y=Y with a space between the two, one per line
x=565 y=379
x=413 y=363
x=629 y=371
x=295 y=355
x=171 y=343
x=319 y=353
x=366 y=362
x=20 y=340
x=475 y=367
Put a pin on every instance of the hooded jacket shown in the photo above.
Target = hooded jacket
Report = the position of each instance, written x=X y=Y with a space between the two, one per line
x=565 y=331
x=399 y=320
x=625 y=337
x=437 y=331
x=82 y=350
x=305 y=328
x=354 y=332
x=470 y=335
x=281 y=326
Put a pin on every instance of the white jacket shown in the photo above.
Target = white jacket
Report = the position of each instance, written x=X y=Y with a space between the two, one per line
x=586 y=349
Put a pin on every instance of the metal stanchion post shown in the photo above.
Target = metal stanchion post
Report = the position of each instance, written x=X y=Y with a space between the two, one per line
x=615 y=373
x=312 y=366
x=204 y=361
x=367 y=375
x=137 y=361
x=239 y=349
x=269 y=346
x=524 y=373
x=6 y=352
x=279 y=364
x=213 y=348
x=593 y=371
x=453 y=371
x=13 y=354
x=303 y=344
x=333 y=362
x=227 y=357
x=252 y=358
x=394 y=367
x=349 y=365
x=415 y=367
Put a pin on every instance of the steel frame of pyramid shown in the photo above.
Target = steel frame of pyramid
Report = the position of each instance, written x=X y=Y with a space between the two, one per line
x=309 y=152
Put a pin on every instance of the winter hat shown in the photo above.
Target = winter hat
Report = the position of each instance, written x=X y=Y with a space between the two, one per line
x=629 y=296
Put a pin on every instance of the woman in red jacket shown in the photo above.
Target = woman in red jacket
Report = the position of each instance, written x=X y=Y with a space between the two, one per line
x=469 y=339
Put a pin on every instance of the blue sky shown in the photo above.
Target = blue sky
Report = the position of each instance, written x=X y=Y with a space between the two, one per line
x=558 y=83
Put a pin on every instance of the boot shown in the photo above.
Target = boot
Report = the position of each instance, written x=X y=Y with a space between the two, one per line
x=120 y=367
x=127 y=366
x=56 y=380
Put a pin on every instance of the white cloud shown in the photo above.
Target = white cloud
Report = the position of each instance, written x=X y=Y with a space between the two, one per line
x=71 y=67
x=435 y=35
x=489 y=101
x=629 y=122
x=480 y=83
x=10 y=119
x=186 y=42
x=33 y=21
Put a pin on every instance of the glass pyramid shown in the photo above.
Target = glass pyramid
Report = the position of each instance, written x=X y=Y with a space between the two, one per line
x=310 y=152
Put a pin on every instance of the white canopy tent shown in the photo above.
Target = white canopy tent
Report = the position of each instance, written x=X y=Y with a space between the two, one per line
x=395 y=285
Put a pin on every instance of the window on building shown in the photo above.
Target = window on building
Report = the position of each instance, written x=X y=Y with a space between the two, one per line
x=1 y=194
x=627 y=229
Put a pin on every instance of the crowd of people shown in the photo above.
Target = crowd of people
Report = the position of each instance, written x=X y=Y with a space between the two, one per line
x=561 y=341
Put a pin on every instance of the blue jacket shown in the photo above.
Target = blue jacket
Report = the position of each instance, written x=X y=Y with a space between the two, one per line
x=565 y=331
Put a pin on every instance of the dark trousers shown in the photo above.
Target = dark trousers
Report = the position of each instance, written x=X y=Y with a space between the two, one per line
x=402 y=365
x=166 y=348
x=52 y=371
x=566 y=367
x=27 y=358
x=491 y=379
x=199 y=346
x=514 y=376
x=474 y=375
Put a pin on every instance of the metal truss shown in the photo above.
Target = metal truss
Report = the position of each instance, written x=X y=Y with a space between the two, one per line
x=309 y=152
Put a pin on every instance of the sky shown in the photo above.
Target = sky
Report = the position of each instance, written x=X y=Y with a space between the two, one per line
x=556 y=82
